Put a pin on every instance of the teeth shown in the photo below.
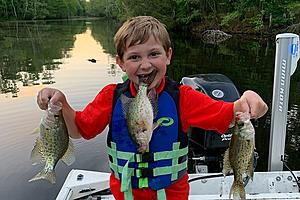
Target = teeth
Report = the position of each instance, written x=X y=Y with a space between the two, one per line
x=144 y=78
x=143 y=75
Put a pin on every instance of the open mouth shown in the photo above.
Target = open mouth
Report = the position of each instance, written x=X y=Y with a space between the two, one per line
x=147 y=78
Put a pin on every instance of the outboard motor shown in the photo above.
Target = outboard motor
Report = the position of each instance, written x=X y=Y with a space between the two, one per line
x=206 y=148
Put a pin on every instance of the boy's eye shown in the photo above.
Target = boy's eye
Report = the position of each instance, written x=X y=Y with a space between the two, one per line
x=153 y=54
x=133 y=57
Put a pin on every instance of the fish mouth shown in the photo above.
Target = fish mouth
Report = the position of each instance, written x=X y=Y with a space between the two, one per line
x=147 y=78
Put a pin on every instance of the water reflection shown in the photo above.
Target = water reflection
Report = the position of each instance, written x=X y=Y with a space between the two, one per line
x=30 y=53
x=112 y=69
x=26 y=79
x=56 y=57
x=293 y=125
x=35 y=64
x=293 y=117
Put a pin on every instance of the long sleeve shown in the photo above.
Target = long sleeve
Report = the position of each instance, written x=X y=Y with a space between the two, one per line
x=97 y=114
x=200 y=110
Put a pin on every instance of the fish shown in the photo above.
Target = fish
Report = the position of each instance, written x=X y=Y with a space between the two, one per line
x=139 y=113
x=52 y=144
x=239 y=156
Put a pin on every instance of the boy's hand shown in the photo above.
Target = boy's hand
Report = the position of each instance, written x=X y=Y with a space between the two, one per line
x=251 y=102
x=49 y=94
x=55 y=96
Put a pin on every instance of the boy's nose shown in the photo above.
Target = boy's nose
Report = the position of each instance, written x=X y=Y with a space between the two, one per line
x=145 y=64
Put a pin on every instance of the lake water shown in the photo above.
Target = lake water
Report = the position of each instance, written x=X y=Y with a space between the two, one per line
x=35 y=55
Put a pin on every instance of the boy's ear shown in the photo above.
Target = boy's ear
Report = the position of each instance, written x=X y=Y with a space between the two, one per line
x=169 y=55
x=120 y=62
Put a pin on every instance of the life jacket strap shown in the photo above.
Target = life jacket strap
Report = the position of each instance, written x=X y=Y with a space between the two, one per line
x=175 y=153
x=126 y=176
x=142 y=172
x=113 y=153
x=161 y=194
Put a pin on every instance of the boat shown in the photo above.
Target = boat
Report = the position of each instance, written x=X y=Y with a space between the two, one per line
x=89 y=185
x=205 y=153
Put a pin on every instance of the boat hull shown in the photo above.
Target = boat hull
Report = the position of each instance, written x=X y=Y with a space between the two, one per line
x=265 y=185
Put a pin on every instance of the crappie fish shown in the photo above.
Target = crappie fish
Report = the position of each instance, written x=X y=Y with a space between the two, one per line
x=52 y=144
x=139 y=115
x=239 y=156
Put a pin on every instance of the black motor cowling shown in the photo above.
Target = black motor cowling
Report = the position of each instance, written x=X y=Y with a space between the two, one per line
x=206 y=148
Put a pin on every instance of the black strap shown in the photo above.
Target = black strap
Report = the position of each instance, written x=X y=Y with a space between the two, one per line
x=145 y=157
x=144 y=172
x=172 y=88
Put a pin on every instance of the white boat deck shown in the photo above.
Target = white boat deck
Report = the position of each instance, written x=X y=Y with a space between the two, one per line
x=265 y=185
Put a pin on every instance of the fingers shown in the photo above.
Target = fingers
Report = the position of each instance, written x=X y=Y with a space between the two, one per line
x=245 y=105
x=41 y=101
x=44 y=96
x=257 y=107
x=258 y=110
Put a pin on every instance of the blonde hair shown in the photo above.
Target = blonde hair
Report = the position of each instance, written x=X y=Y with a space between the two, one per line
x=138 y=30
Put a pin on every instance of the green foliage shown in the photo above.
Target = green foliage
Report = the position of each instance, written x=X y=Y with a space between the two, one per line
x=256 y=22
x=229 y=18
x=40 y=9
x=163 y=10
x=258 y=15
x=96 y=8
x=187 y=12
x=294 y=11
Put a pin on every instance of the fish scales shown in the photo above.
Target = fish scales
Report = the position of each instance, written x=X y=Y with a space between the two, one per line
x=239 y=156
x=52 y=144
x=139 y=117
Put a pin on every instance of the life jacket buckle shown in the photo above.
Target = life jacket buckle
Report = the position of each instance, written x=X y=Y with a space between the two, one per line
x=143 y=172
x=145 y=157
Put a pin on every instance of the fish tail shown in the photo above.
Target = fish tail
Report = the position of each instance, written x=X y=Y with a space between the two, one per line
x=238 y=191
x=45 y=174
x=142 y=148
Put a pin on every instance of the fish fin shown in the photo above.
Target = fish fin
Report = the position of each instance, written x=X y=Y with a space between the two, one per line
x=36 y=130
x=250 y=170
x=69 y=158
x=153 y=98
x=126 y=101
x=226 y=163
x=36 y=155
x=238 y=191
x=156 y=125
x=44 y=174
x=143 y=148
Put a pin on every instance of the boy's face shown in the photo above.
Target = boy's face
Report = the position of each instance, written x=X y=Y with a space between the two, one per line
x=145 y=62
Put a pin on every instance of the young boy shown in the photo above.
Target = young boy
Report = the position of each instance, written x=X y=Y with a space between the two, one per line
x=143 y=52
